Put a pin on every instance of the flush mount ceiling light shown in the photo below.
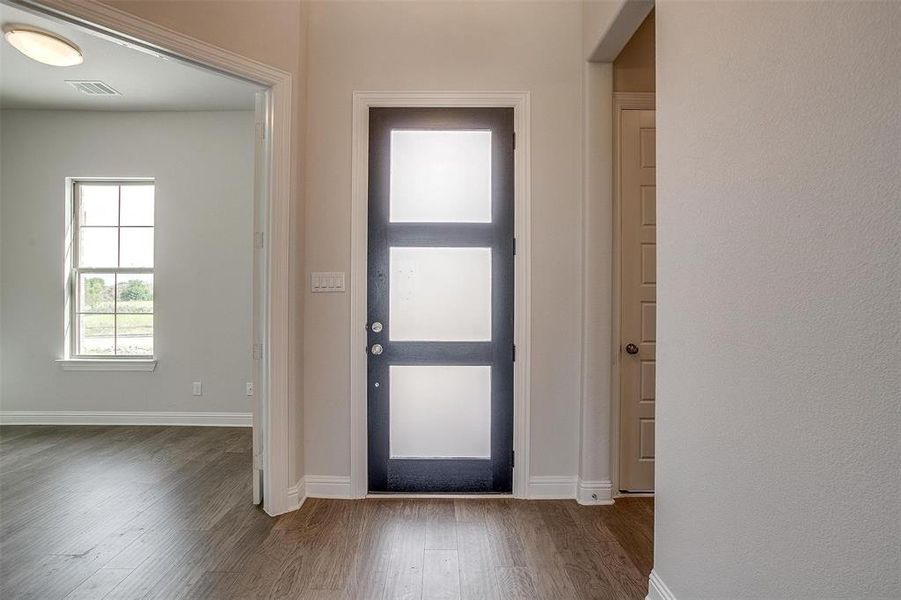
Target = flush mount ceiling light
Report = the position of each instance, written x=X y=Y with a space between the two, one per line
x=43 y=46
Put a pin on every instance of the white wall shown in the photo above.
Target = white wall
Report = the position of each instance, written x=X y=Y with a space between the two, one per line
x=448 y=46
x=203 y=165
x=597 y=276
x=779 y=358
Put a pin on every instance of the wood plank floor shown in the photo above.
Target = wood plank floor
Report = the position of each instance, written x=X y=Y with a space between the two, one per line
x=165 y=512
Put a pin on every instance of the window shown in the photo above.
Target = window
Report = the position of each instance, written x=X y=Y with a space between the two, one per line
x=112 y=269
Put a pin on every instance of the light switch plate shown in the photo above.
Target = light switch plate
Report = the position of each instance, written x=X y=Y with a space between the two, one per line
x=327 y=282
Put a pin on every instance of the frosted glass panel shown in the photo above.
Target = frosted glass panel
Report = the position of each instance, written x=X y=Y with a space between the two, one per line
x=440 y=294
x=440 y=176
x=440 y=411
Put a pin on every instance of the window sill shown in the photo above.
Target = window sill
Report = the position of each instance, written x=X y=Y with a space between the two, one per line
x=107 y=364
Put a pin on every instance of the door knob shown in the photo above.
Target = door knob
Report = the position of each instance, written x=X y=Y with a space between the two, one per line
x=376 y=327
x=631 y=349
x=376 y=349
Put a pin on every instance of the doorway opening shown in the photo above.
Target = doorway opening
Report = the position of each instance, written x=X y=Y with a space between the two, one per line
x=635 y=261
x=267 y=229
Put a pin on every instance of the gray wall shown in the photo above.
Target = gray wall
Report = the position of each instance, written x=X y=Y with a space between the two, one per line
x=203 y=165
x=533 y=46
x=778 y=365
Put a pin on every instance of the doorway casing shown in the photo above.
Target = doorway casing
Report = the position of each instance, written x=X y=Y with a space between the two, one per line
x=272 y=203
x=362 y=102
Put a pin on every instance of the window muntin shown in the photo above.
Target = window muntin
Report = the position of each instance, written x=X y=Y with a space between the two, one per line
x=112 y=270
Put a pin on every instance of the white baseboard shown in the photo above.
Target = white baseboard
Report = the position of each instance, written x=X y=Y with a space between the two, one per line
x=657 y=590
x=297 y=494
x=540 y=488
x=327 y=486
x=594 y=492
x=552 y=487
x=79 y=417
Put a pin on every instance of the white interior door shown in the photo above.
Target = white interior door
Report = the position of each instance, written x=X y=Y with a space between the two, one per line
x=638 y=230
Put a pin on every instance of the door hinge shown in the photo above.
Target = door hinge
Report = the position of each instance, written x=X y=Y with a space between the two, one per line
x=261 y=131
x=512 y=458
x=258 y=351
x=514 y=140
x=514 y=352
x=258 y=239
x=514 y=246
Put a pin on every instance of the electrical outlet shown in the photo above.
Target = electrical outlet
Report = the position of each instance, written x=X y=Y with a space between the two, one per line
x=197 y=389
x=248 y=388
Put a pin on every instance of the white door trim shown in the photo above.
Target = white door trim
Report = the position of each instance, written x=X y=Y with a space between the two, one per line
x=273 y=391
x=362 y=101
x=621 y=101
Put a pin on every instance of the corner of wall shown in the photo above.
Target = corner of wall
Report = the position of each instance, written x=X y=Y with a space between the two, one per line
x=597 y=274
x=297 y=495
x=298 y=470
x=586 y=493
x=597 y=15
x=594 y=493
x=657 y=590
x=607 y=26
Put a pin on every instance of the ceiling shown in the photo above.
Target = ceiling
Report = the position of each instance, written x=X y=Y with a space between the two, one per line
x=146 y=82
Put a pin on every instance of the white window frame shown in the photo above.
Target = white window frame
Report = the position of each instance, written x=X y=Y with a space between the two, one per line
x=75 y=270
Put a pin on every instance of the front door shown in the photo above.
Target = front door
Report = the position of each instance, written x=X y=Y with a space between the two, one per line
x=638 y=229
x=440 y=300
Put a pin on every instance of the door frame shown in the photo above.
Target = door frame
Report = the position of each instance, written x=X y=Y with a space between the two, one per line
x=621 y=101
x=272 y=277
x=362 y=101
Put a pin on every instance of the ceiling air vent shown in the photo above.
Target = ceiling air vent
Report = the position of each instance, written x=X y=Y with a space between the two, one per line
x=93 y=88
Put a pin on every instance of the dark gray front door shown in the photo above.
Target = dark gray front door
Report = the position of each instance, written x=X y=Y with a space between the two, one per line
x=440 y=300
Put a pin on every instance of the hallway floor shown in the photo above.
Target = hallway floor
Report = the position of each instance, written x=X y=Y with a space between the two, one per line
x=164 y=512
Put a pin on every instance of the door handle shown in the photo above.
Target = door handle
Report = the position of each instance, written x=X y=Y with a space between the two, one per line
x=376 y=349
x=631 y=349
